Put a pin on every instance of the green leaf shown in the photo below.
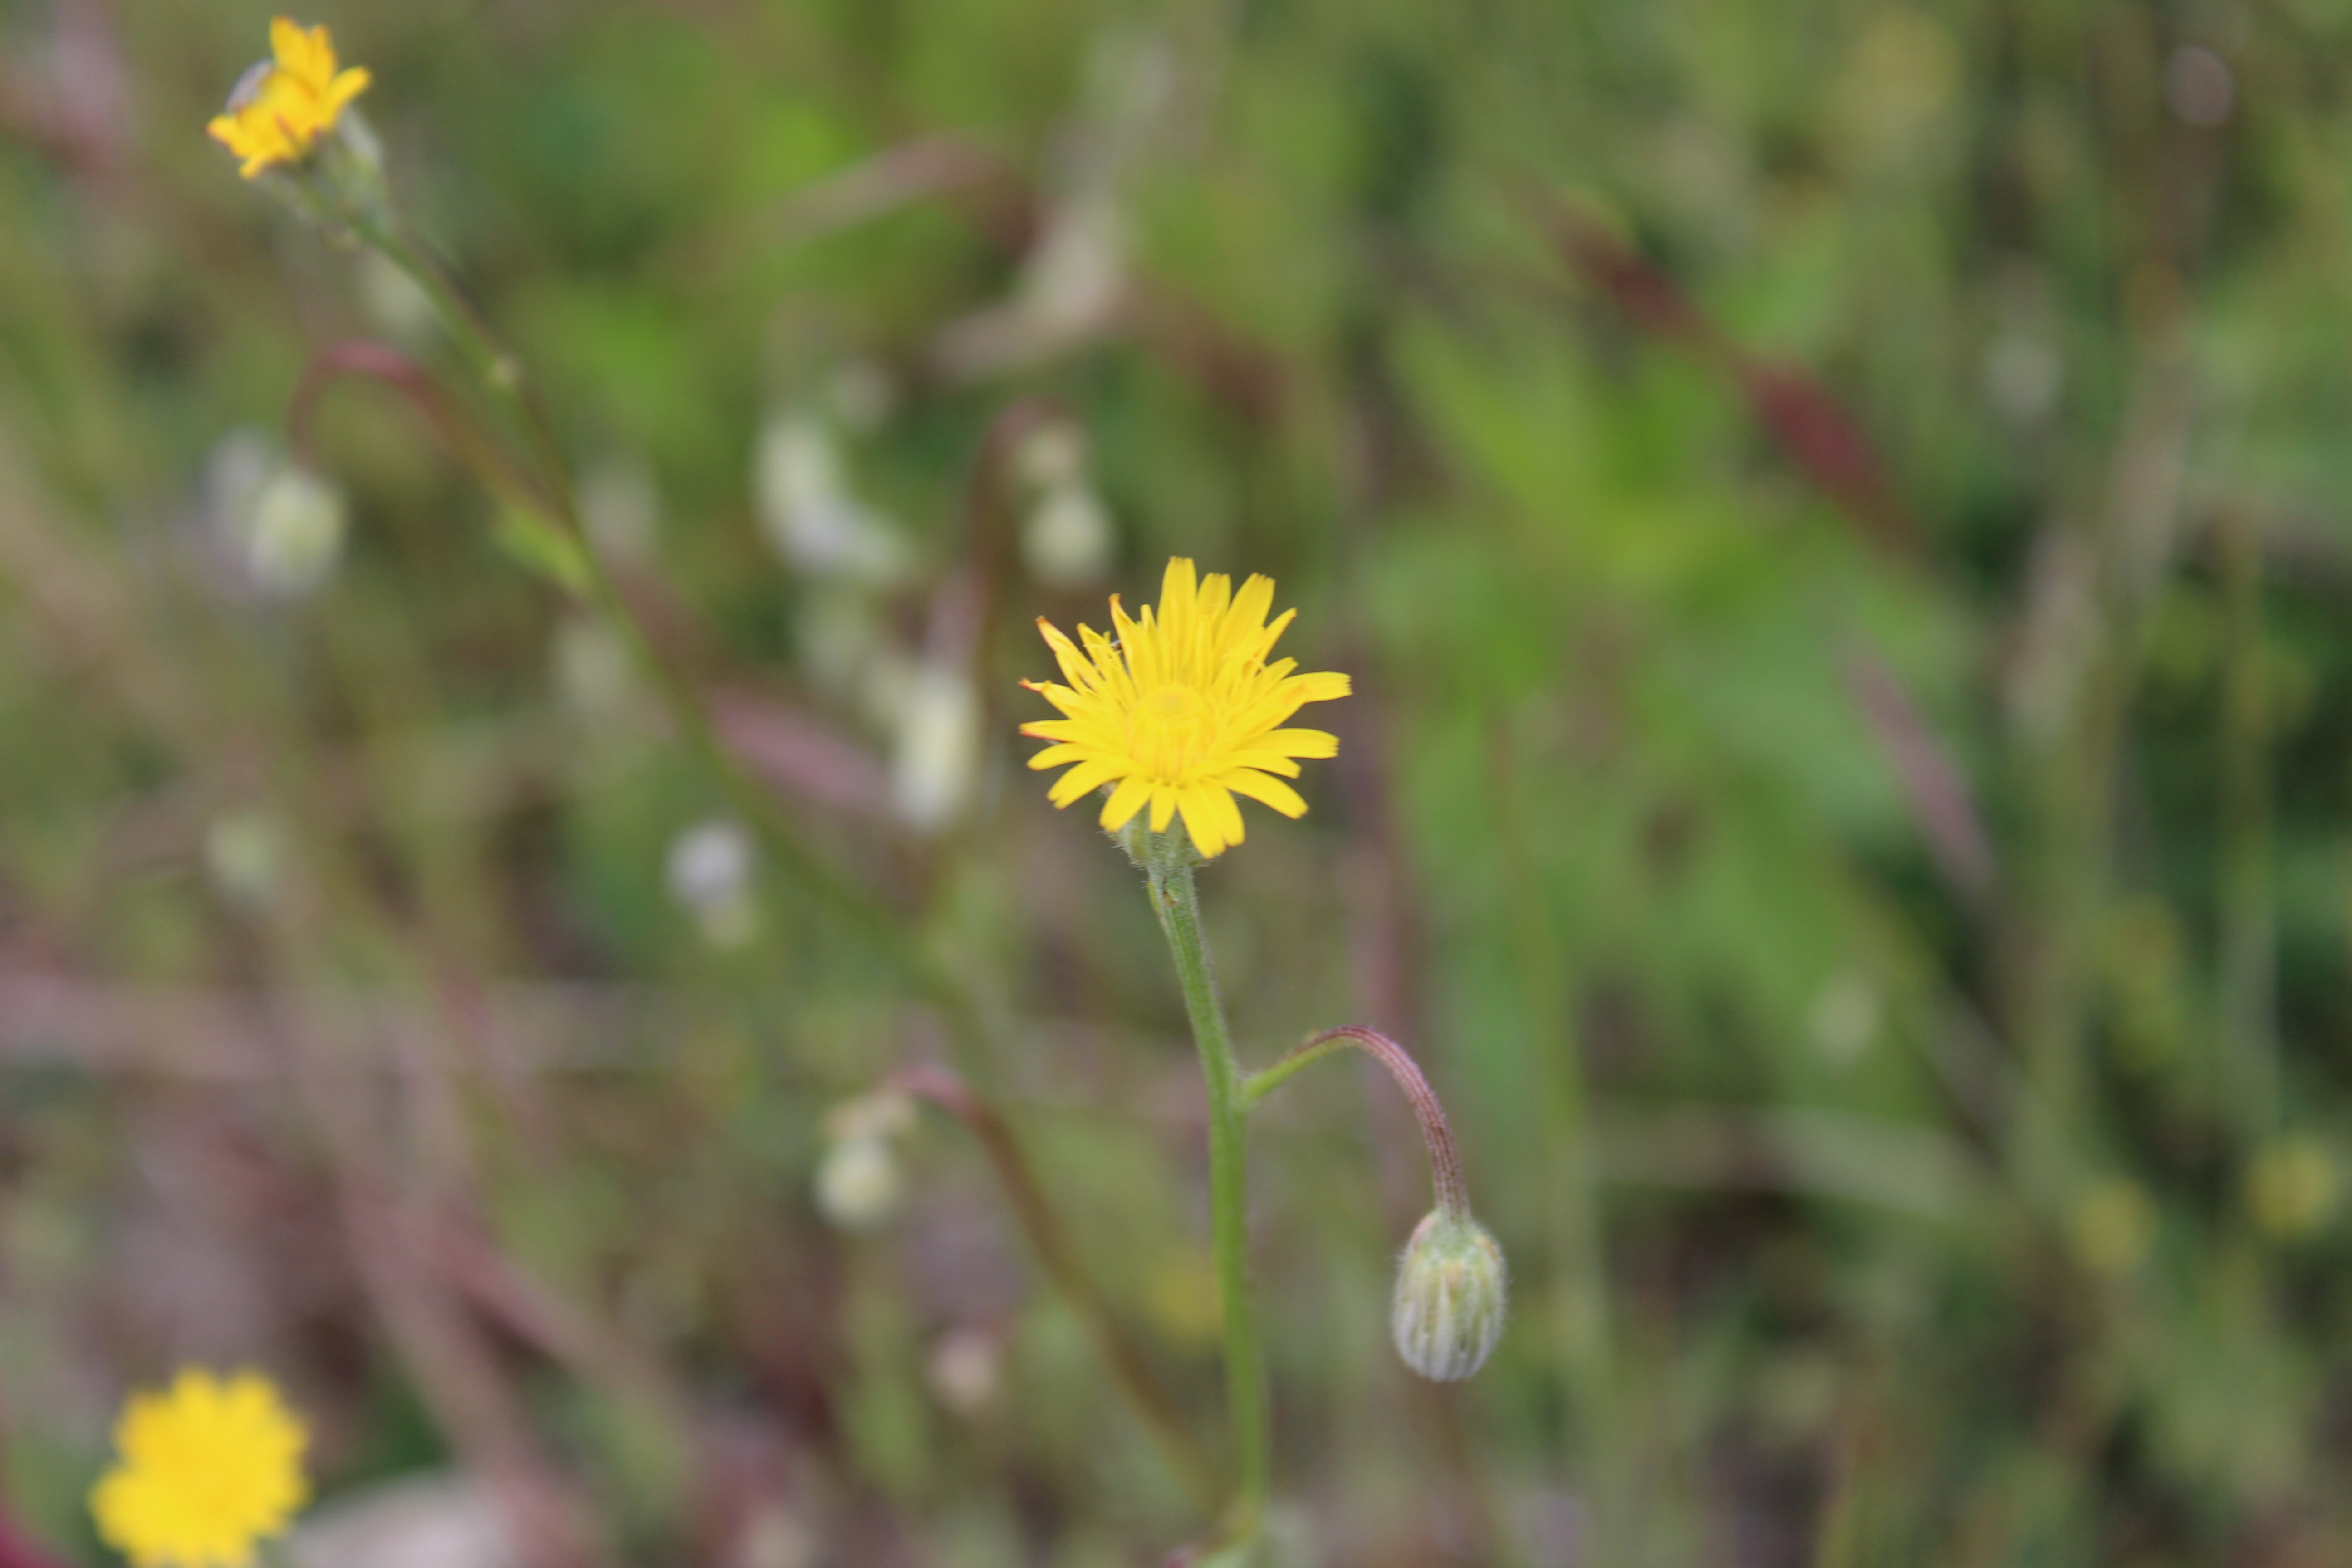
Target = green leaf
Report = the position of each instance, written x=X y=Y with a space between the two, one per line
x=542 y=546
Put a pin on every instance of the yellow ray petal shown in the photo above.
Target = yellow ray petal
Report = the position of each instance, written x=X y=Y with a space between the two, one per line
x=1201 y=819
x=288 y=42
x=1133 y=642
x=1086 y=776
x=1322 y=687
x=346 y=88
x=1316 y=744
x=1228 y=813
x=1263 y=762
x=1209 y=613
x=1075 y=665
x=1125 y=801
x=1177 y=587
x=1275 y=629
x=1250 y=605
x=1259 y=786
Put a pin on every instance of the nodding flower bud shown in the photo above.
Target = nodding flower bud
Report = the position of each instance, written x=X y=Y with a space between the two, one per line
x=1450 y=1291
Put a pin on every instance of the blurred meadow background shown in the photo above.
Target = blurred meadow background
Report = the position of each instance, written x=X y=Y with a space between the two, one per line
x=1835 y=516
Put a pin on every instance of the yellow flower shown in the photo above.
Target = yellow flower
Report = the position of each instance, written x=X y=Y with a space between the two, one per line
x=281 y=107
x=2292 y=1186
x=207 y=1469
x=1182 y=711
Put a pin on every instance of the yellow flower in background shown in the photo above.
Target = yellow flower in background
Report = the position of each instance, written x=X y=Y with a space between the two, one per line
x=2292 y=1186
x=282 y=107
x=2115 y=1226
x=205 y=1471
x=1182 y=712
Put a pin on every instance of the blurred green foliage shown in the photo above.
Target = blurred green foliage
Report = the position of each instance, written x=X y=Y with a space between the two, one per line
x=1832 y=514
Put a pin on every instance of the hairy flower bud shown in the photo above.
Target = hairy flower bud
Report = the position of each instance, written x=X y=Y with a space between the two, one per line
x=1450 y=1296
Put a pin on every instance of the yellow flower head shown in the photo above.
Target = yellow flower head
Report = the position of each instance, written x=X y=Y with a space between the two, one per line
x=1181 y=712
x=207 y=1470
x=282 y=107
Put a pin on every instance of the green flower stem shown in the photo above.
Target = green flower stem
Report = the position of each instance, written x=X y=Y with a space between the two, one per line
x=501 y=376
x=1178 y=905
x=968 y=1027
x=1444 y=1163
x=2249 y=934
x=499 y=370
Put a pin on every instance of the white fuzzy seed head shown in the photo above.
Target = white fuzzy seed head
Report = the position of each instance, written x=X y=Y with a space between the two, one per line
x=1065 y=540
x=935 y=758
x=709 y=865
x=296 y=534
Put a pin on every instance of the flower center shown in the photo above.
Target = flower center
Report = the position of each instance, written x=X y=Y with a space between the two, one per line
x=1165 y=734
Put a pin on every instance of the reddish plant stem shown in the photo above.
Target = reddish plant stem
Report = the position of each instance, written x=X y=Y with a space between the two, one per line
x=374 y=362
x=1050 y=1241
x=15 y=1550
x=1444 y=1162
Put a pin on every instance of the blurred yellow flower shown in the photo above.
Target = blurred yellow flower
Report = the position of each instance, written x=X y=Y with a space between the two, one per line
x=282 y=107
x=1181 y=712
x=207 y=1470
x=2292 y=1186
x=1181 y=1294
x=2114 y=1226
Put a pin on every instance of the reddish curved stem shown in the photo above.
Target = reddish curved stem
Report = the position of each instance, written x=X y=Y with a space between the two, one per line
x=374 y=362
x=1444 y=1161
x=17 y=1551
x=1046 y=1236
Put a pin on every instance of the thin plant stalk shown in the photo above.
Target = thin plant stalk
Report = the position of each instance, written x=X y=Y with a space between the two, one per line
x=1177 y=903
x=501 y=375
x=968 y=1031
x=1444 y=1162
x=1452 y=1192
x=1050 y=1240
x=1573 y=1214
x=2249 y=955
